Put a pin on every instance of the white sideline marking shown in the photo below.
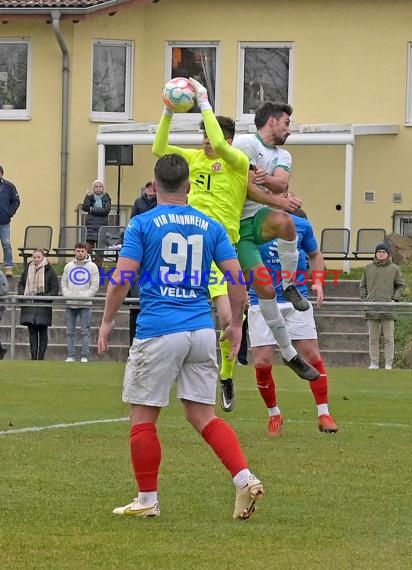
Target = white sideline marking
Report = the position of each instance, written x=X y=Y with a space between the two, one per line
x=376 y=424
x=61 y=426
x=114 y=420
x=387 y=425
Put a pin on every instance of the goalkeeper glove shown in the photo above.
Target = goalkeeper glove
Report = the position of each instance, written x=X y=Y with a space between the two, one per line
x=167 y=112
x=202 y=98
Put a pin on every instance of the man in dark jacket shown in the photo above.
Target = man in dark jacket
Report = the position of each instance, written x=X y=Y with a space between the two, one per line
x=382 y=281
x=146 y=202
x=9 y=202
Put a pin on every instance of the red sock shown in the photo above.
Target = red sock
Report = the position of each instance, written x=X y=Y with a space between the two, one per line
x=224 y=442
x=319 y=387
x=266 y=385
x=146 y=455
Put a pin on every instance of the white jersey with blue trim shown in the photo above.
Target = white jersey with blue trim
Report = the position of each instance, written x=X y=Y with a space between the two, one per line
x=175 y=246
x=306 y=244
x=268 y=158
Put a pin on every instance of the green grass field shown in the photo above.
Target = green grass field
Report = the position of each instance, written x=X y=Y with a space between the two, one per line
x=332 y=501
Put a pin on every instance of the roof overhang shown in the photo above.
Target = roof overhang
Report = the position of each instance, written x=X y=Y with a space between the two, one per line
x=189 y=133
x=108 y=6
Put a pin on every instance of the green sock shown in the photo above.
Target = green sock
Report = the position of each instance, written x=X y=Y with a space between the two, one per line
x=227 y=366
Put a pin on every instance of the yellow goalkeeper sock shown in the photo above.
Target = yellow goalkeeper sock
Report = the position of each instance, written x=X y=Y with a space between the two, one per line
x=227 y=366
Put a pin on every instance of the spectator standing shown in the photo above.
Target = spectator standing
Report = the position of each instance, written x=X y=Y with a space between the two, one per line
x=4 y=289
x=381 y=281
x=9 y=203
x=38 y=278
x=97 y=203
x=146 y=202
x=80 y=279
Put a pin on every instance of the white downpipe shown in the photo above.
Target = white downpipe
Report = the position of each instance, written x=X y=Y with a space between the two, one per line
x=347 y=211
x=101 y=156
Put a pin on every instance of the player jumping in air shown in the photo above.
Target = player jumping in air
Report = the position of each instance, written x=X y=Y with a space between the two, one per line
x=219 y=177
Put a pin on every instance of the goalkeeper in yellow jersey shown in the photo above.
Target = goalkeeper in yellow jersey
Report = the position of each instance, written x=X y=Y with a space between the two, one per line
x=219 y=176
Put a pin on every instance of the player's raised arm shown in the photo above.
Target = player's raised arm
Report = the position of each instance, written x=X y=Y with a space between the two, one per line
x=221 y=145
x=161 y=145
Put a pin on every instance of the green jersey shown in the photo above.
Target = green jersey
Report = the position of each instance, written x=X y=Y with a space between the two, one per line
x=218 y=186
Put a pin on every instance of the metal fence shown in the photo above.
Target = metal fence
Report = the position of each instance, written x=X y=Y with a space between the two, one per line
x=14 y=303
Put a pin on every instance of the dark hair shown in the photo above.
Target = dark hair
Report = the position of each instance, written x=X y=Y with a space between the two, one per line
x=270 y=109
x=227 y=124
x=1 y=169
x=80 y=245
x=171 y=172
x=150 y=183
x=300 y=213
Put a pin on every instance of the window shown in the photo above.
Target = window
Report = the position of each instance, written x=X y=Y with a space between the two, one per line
x=112 y=80
x=402 y=222
x=369 y=196
x=265 y=74
x=198 y=60
x=14 y=78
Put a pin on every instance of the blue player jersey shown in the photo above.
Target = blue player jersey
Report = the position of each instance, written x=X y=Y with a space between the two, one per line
x=175 y=246
x=306 y=244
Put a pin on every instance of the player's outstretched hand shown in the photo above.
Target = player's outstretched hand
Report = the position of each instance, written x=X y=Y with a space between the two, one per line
x=201 y=92
x=104 y=333
x=234 y=335
x=318 y=290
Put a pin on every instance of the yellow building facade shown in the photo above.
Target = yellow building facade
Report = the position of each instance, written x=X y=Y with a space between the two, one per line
x=347 y=64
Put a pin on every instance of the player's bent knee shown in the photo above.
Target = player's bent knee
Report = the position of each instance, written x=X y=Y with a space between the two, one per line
x=278 y=224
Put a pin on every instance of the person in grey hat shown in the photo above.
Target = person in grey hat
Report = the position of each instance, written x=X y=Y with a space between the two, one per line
x=382 y=281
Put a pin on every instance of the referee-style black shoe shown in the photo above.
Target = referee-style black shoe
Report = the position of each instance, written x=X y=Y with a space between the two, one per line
x=293 y=295
x=227 y=395
x=302 y=368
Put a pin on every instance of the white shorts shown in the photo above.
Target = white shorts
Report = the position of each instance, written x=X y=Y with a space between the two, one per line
x=154 y=364
x=299 y=324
